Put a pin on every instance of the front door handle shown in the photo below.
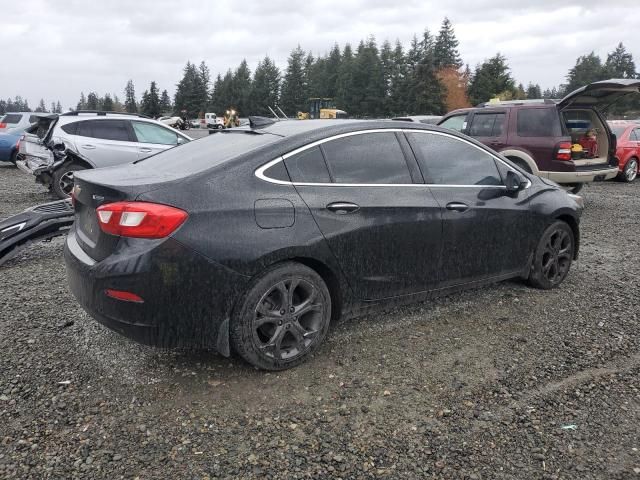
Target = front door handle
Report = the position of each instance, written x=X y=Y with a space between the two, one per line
x=145 y=150
x=89 y=147
x=342 y=208
x=457 y=206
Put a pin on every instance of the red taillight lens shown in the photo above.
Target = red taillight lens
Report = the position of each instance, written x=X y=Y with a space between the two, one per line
x=3 y=125
x=139 y=219
x=124 y=296
x=563 y=151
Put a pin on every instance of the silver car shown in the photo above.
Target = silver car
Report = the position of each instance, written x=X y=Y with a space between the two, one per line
x=90 y=140
x=11 y=120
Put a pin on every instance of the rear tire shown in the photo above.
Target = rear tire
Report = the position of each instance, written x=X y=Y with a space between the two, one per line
x=553 y=256
x=282 y=318
x=62 y=179
x=14 y=157
x=630 y=171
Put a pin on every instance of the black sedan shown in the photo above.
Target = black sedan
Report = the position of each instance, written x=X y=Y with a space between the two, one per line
x=254 y=239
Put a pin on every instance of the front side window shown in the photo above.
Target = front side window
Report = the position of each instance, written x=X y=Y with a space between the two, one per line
x=151 y=133
x=538 y=122
x=445 y=160
x=457 y=123
x=308 y=166
x=375 y=158
x=487 y=125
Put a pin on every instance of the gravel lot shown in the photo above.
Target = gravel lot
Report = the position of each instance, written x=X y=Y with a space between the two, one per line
x=502 y=382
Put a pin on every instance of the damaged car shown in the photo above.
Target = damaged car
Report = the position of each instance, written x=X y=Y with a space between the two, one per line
x=60 y=145
x=254 y=239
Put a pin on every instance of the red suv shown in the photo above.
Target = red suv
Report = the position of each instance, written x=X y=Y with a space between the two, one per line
x=628 y=148
x=545 y=137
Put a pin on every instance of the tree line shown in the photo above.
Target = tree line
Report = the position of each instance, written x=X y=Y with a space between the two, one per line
x=427 y=77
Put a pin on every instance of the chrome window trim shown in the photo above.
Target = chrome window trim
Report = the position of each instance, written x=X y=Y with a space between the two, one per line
x=259 y=172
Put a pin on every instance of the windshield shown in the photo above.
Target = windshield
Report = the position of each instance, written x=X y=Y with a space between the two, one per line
x=200 y=155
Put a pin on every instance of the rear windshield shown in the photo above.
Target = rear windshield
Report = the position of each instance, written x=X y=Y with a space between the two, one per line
x=11 y=119
x=200 y=155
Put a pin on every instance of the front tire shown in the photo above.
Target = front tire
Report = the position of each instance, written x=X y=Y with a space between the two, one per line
x=283 y=317
x=553 y=256
x=630 y=171
x=62 y=179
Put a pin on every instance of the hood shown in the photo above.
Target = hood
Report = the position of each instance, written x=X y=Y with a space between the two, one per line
x=600 y=94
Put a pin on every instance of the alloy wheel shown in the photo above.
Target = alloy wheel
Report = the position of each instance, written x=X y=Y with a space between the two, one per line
x=631 y=170
x=66 y=182
x=287 y=319
x=556 y=256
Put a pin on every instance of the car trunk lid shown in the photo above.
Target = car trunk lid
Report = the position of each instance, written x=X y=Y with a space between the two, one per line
x=601 y=94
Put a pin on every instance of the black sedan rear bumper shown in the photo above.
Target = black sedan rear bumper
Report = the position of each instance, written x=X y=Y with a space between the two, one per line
x=187 y=299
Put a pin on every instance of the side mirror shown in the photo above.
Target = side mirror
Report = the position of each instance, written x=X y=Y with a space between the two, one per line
x=515 y=182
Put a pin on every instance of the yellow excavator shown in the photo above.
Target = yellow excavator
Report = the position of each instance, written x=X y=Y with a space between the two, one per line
x=322 y=108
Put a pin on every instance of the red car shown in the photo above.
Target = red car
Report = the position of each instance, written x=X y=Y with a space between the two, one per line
x=628 y=148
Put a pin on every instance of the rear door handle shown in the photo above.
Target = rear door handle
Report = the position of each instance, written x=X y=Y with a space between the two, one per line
x=457 y=206
x=342 y=208
x=146 y=150
x=89 y=147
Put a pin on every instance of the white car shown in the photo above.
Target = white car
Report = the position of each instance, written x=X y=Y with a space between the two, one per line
x=90 y=140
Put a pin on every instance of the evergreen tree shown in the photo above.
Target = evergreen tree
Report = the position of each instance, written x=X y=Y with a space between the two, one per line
x=534 y=91
x=165 y=103
x=107 y=103
x=425 y=87
x=386 y=62
x=52 y=108
x=332 y=67
x=241 y=89
x=41 y=108
x=92 y=101
x=150 y=104
x=82 y=103
x=222 y=95
x=130 y=104
x=294 y=94
x=398 y=103
x=368 y=81
x=491 y=79
x=620 y=63
x=445 y=50
x=191 y=92
x=265 y=87
x=588 y=69
x=345 y=80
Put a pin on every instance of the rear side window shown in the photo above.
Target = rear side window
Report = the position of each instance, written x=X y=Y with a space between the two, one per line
x=445 y=160
x=11 y=119
x=487 y=125
x=538 y=122
x=110 y=130
x=151 y=133
x=635 y=135
x=367 y=158
x=308 y=167
x=457 y=123
x=70 y=128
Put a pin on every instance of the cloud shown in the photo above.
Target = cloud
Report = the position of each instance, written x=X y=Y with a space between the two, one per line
x=55 y=50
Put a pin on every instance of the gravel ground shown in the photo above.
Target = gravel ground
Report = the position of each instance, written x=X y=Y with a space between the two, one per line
x=502 y=382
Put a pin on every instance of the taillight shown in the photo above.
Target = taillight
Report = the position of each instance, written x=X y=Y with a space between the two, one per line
x=18 y=145
x=139 y=219
x=3 y=125
x=563 y=151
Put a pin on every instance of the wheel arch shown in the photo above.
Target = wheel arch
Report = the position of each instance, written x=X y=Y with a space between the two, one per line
x=79 y=160
x=330 y=278
x=522 y=156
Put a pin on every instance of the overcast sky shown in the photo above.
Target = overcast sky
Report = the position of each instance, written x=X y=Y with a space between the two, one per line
x=56 y=49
